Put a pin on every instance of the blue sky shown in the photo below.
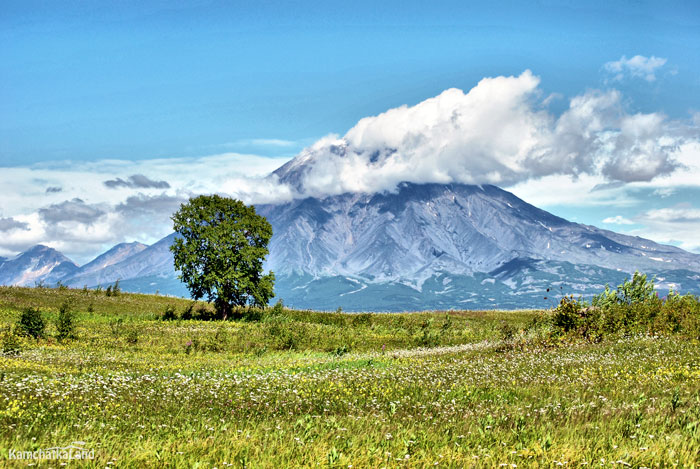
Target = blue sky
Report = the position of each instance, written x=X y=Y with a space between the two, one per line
x=83 y=83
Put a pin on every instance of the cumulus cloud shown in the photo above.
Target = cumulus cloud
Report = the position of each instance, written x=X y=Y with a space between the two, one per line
x=642 y=149
x=136 y=181
x=9 y=224
x=499 y=132
x=75 y=210
x=637 y=67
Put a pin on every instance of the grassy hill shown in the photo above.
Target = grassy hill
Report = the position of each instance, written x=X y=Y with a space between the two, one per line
x=287 y=388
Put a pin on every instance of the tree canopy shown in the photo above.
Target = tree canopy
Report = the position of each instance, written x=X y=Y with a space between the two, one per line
x=220 y=251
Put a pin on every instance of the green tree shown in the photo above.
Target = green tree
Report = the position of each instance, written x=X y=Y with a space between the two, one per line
x=220 y=250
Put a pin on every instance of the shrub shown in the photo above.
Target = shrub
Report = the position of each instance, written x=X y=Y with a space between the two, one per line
x=132 y=335
x=278 y=308
x=633 y=291
x=188 y=312
x=218 y=341
x=634 y=307
x=116 y=326
x=507 y=331
x=428 y=338
x=168 y=314
x=362 y=319
x=11 y=344
x=31 y=322
x=205 y=314
x=285 y=334
x=567 y=316
x=202 y=313
x=65 y=323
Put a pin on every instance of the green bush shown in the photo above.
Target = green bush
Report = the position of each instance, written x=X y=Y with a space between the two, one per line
x=634 y=291
x=428 y=337
x=168 y=314
x=507 y=331
x=11 y=344
x=251 y=314
x=201 y=313
x=278 y=308
x=65 y=322
x=567 y=316
x=634 y=307
x=362 y=319
x=132 y=335
x=285 y=334
x=205 y=314
x=218 y=341
x=116 y=326
x=31 y=322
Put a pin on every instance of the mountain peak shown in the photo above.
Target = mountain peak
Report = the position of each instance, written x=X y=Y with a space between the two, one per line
x=39 y=263
x=115 y=255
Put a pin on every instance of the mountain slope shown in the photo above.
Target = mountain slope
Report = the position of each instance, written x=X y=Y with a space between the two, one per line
x=40 y=264
x=421 y=230
x=117 y=254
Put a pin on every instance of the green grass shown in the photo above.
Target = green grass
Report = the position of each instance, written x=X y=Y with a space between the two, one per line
x=308 y=389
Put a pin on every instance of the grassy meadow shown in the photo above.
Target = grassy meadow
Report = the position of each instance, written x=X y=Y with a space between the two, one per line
x=281 y=388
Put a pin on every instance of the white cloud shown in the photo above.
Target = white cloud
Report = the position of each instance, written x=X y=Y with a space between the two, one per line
x=673 y=225
x=500 y=133
x=674 y=215
x=637 y=66
x=567 y=191
x=618 y=220
x=86 y=216
x=275 y=142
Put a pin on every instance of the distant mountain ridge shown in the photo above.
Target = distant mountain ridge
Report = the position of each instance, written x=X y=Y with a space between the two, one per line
x=424 y=246
x=151 y=260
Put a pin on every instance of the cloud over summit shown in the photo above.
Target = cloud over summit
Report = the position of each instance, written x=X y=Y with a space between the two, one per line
x=499 y=132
